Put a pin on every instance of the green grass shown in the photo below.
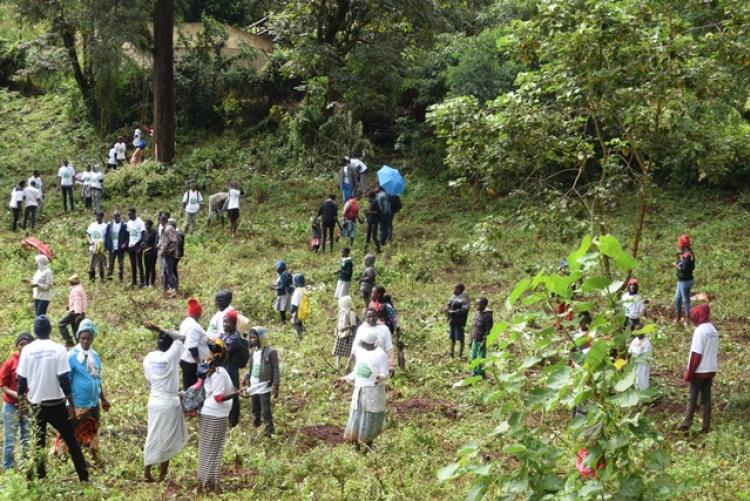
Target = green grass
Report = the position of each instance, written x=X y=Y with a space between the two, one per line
x=419 y=269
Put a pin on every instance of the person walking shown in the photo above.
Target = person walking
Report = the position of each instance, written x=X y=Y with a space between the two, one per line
x=703 y=364
x=385 y=215
x=263 y=377
x=168 y=252
x=233 y=207
x=116 y=239
x=685 y=265
x=95 y=234
x=361 y=169
x=135 y=228
x=167 y=433
x=77 y=305
x=196 y=344
x=346 y=328
x=41 y=285
x=180 y=251
x=43 y=379
x=350 y=219
x=373 y=221
x=17 y=197
x=33 y=199
x=347 y=180
x=458 y=313
x=13 y=419
x=66 y=178
x=150 y=252
x=367 y=279
x=191 y=204
x=328 y=213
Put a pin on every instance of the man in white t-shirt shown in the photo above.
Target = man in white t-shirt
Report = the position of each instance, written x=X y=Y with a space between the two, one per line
x=43 y=382
x=196 y=344
x=191 y=204
x=66 y=178
x=97 y=250
x=112 y=157
x=120 y=151
x=17 y=196
x=135 y=227
x=384 y=338
x=361 y=168
x=33 y=198
x=233 y=207
x=703 y=363
x=223 y=301
x=96 y=185
x=37 y=178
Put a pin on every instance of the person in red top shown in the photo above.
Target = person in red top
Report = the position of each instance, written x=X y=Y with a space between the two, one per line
x=13 y=418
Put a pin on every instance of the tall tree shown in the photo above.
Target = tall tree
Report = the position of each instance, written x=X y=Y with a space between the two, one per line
x=164 y=108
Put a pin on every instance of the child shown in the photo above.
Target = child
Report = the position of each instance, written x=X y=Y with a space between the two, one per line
x=346 y=328
x=315 y=240
x=345 y=273
x=633 y=303
x=641 y=349
x=283 y=290
x=263 y=376
x=481 y=328
x=367 y=279
x=458 y=313
x=299 y=292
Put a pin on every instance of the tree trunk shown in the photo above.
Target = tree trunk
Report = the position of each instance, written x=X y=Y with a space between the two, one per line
x=164 y=106
x=85 y=86
x=640 y=219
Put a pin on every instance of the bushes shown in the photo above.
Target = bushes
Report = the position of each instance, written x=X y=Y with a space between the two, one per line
x=131 y=181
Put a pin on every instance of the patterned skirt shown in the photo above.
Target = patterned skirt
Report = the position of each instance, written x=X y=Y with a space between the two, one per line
x=342 y=347
x=212 y=434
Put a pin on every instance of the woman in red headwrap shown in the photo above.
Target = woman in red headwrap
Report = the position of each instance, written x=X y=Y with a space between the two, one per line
x=685 y=265
x=702 y=365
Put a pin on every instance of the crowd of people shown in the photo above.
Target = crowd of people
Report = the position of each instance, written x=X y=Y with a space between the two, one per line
x=207 y=371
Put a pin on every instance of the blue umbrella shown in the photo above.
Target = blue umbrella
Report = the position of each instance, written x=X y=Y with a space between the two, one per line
x=390 y=180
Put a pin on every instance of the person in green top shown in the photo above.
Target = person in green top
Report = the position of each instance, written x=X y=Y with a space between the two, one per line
x=345 y=273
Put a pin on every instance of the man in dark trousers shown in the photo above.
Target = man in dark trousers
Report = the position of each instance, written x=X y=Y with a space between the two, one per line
x=328 y=213
x=116 y=243
x=237 y=357
x=43 y=384
x=262 y=378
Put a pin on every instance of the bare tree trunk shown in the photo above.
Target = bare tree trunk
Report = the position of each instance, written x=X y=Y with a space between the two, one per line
x=164 y=106
x=85 y=86
x=640 y=219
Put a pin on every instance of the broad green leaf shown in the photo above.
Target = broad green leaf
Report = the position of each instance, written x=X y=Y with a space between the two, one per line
x=610 y=246
x=595 y=284
x=533 y=298
x=518 y=290
x=482 y=470
x=514 y=449
x=478 y=491
x=573 y=258
x=656 y=460
x=467 y=381
x=598 y=351
x=628 y=399
x=496 y=330
x=626 y=381
x=448 y=472
x=529 y=362
x=559 y=378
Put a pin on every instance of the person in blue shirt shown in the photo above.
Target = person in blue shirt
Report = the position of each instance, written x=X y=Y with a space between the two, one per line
x=86 y=385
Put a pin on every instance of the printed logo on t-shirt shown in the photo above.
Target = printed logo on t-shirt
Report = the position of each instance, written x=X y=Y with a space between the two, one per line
x=256 y=371
x=363 y=370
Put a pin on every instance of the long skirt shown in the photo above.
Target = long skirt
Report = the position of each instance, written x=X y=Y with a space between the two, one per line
x=342 y=347
x=283 y=302
x=342 y=289
x=363 y=426
x=86 y=431
x=212 y=434
x=167 y=433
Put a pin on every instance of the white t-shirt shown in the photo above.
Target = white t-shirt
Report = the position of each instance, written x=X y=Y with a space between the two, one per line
x=195 y=337
x=120 y=150
x=112 y=156
x=33 y=196
x=219 y=383
x=37 y=181
x=40 y=363
x=66 y=175
x=297 y=296
x=369 y=365
x=643 y=370
x=135 y=231
x=358 y=164
x=633 y=305
x=16 y=198
x=706 y=343
x=95 y=232
x=96 y=179
x=384 y=341
x=136 y=138
x=193 y=199
x=216 y=325
x=234 y=199
x=162 y=368
x=115 y=234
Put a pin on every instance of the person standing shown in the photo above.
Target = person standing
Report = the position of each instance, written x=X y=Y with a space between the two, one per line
x=41 y=285
x=116 y=238
x=703 y=363
x=298 y=296
x=384 y=339
x=217 y=206
x=685 y=265
x=36 y=177
x=120 y=151
x=168 y=252
x=328 y=213
x=96 y=186
x=196 y=344
x=136 y=229
x=77 y=305
x=373 y=221
x=350 y=219
x=284 y=288
x=112 y=157
x=361 y=168
x=180 y=251
x=97 y=249
x=167 y=432
x=481 y=327
x=263 y=377
x=86 y=187
x=66 y=178
x=33 y=199
x=233 y=207
x=223 y=303
x=150 y=252
x=13 y=419
x=43 y=379
x=346 y=328
x=86 y=386
x=641 y=350
x=191 y=204
x=633 y=305
x=236 y=359
x=385 y=215
x=347 y=180
x=17 y=196
x=344 y=274
x=458 y=313
x=367 y=279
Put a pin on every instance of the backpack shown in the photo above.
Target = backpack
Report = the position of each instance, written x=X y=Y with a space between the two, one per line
x=244 y=355
x=352 y=210
x=303 y=313
x=395 y=204
x=192 y=399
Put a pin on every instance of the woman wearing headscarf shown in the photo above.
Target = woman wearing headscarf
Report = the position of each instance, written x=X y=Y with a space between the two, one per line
x=86 y=384
x=685 y=265
x=214 y=422
x=284 y=289
x=367 y=413
x=41 y=285
x=167 y=433
x=346 y=328
x=703 y=363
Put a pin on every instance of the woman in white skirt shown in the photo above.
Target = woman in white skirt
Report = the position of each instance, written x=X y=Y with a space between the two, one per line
x=167 y=433
x=367 y=413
